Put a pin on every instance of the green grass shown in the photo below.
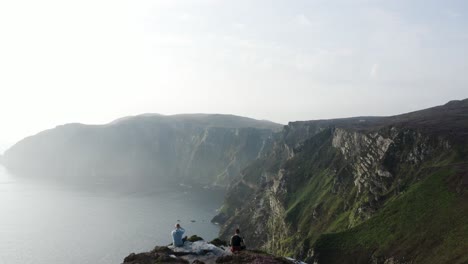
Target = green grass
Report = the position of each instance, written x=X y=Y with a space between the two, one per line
x=428 y=222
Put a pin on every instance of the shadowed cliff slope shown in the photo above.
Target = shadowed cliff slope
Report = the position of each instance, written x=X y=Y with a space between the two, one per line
x=146 y=150
x=360 y=190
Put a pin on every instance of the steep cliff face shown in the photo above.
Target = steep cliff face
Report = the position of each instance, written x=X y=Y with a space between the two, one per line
x=359 y=190
x=145 y=150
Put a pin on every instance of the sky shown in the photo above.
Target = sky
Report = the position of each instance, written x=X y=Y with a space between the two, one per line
x=93 y=61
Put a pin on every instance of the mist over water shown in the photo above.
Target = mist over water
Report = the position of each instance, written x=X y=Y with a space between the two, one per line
x=50 y=223
x=3 y=147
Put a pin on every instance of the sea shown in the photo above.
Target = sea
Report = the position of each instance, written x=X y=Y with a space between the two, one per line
x=44 y=222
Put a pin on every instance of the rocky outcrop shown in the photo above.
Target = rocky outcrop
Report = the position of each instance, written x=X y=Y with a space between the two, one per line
x=365 y=152
x=203 y=252
x=371 y=154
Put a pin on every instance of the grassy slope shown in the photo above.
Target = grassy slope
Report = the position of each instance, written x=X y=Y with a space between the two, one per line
x=428 y=223
x=312 y=203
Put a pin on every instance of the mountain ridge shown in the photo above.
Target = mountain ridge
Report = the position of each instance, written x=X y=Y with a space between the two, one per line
x=144 y=150
x=214 y=120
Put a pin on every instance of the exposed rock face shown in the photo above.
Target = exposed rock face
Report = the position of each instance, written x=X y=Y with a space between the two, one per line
x=333 y=175
x=365 y=152
x=145 y=150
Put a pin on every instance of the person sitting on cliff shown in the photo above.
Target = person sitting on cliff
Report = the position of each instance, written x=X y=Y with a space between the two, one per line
x=177 y=234
x=237 y=242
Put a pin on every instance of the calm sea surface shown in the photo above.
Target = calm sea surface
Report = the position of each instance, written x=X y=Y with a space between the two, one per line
x=47 y=223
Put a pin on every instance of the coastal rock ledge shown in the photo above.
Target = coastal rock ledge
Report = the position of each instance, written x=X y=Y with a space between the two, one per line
x=200 y=252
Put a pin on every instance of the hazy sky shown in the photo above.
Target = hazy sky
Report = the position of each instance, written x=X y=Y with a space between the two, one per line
x=93 y=61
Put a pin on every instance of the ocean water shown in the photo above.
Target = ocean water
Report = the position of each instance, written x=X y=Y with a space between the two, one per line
x=50 y=223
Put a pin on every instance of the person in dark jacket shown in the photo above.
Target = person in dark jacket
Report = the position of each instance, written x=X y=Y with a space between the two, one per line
x=237 y=242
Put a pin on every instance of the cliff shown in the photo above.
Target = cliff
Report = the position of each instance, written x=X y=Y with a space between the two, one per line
x=145 y=150
x=360 y=190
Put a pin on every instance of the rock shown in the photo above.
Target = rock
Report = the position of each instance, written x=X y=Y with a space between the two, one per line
x=164 y=250
x=219 y=219
x=153 y=257
x=253 y=257
x=130 y=258
x=149 y=258
x=194 y=238
x=199 y=250
x=218 y=242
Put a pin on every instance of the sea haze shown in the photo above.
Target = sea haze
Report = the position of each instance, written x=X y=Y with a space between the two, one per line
x=50 y=223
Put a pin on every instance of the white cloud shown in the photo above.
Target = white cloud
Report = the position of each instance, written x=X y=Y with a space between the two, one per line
x=239 y=26
x=374 y=70
x=185 y=17
x=172 y=41
x=154 y=55
x=452 y=13
x=302 y=20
